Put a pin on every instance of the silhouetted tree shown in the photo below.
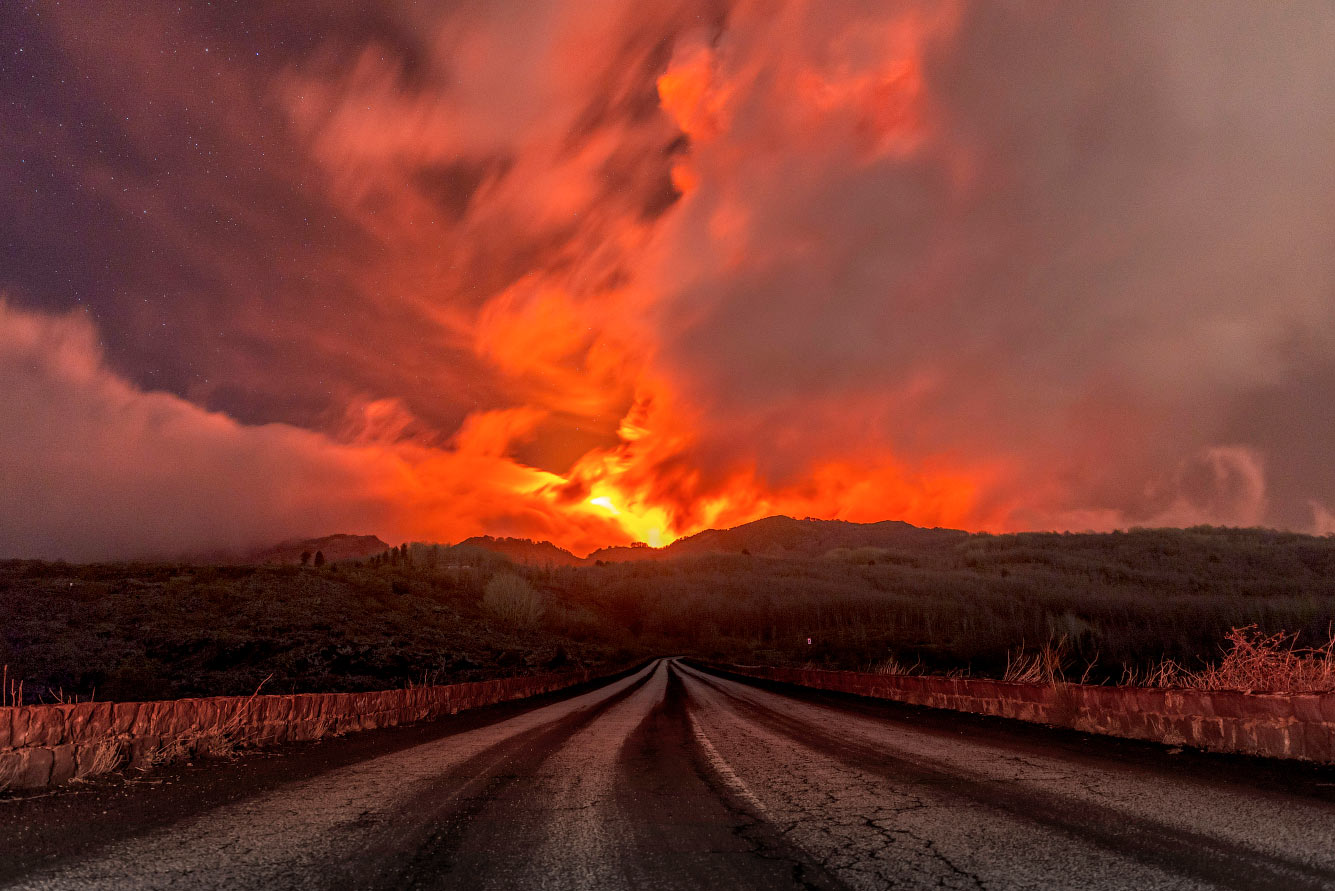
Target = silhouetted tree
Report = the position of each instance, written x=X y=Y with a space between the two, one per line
x=305 y=557
x=319 y=558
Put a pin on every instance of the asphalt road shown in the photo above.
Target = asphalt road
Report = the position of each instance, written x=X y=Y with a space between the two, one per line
x=673 y=778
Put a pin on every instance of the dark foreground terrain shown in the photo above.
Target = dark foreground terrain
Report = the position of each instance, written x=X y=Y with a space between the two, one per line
x=777 y=592
x=133 y=632
x=673 y=778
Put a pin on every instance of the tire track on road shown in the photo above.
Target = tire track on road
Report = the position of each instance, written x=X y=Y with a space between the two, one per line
x=419 y=853
x=685 y=821
x=1191 y=855
x=300 y=835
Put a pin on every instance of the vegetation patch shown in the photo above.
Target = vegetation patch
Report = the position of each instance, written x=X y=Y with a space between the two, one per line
x=1145 y=606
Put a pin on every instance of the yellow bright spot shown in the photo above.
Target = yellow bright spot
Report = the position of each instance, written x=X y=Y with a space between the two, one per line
x=605 y=502
x=649 y=525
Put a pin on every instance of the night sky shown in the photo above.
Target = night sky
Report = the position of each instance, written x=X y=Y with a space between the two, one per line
x=608 y=271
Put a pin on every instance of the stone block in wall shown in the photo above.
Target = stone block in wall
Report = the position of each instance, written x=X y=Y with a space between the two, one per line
x=146 y=718
x=857 y=683
x=227 y=713
x=88 y=720
x=175 y=718
x=1010 y=707
x=208 y=718
x=26 y=768
x=1272 y=738
x=1143 y=699
x=143 y=725
x=1207 y=733
x=1231 y=705
x=1187 y=702
x=1318 y=742
x=1095 y=721
x=1181 y=729
x=305 y=731
x=6 y=726
x=123 y=717
x=1307 y=707
x=274 y=708
x=1091 y=698
x=983 y=688
x=1278 y=706
x=38 y=725
x=1037 y=694
x=1328 y=707
x=306 y=707
x=62 y=764
x=19 y=719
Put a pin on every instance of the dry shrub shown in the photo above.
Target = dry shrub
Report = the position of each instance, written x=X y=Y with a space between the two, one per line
x=511 y=599
x=894 y=666
x=1256 y=662
x=220 y=742
x=11 y=689
x=103 y=758
x=1047 y=666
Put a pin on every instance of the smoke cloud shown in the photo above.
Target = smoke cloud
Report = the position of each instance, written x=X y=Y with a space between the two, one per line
x=95 y=468
x=600 y=273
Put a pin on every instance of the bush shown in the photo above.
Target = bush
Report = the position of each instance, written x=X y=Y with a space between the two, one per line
x=512 y=600
x=1257 y=662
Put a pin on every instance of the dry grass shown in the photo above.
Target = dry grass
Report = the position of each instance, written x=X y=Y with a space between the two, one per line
x=1255 y=662
x=222 y=742
x=895 y=667
x=11 y=690
x=105 y=757
x=1046 y=666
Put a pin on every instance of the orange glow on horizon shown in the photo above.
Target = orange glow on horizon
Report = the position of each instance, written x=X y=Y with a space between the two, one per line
x=577 y=346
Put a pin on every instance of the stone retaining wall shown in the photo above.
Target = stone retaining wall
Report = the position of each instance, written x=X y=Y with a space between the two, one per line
x=1272 y=725
x=46 y=745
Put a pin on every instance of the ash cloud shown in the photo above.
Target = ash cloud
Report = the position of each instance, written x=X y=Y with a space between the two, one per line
x=94 y=468
x=1091 y=250
x=1000 y=266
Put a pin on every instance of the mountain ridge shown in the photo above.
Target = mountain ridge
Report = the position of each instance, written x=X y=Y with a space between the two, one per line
x=773 y=536
x=339 y=546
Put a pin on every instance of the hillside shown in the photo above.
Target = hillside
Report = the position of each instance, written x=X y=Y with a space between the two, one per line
x=334 y=547
x=808 y=592
x=787 y=537
x=523 y=550
x=136 y=631
x=770 y=537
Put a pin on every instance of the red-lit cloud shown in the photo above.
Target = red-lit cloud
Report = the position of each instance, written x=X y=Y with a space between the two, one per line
x=601 y=272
